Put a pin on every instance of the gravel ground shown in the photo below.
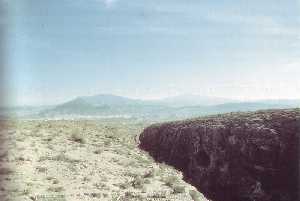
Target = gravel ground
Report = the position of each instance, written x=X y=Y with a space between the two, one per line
x=55 y=160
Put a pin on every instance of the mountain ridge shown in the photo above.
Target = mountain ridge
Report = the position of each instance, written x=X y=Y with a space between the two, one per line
x=172 y=107
x=166 y=108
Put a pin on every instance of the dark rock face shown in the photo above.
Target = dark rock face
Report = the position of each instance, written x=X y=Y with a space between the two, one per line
x=233 y=157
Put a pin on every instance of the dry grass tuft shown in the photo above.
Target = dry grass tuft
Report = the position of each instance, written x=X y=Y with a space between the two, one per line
x=77 y=137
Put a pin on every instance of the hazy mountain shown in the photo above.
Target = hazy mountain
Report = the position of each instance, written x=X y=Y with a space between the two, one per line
x=228 y=107
x=184 y=106
x=108 y=99
x=286 y=102
x=106 y=105
x=193 y=100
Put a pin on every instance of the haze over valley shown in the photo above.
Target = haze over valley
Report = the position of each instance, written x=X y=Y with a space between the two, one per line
x=171 y=108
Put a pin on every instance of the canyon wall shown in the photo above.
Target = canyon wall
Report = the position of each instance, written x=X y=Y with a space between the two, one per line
x=233 y=157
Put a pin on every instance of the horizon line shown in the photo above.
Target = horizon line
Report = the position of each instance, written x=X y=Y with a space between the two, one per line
x=233 y=99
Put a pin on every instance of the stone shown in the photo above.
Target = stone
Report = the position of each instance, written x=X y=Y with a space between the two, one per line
x=250 y=156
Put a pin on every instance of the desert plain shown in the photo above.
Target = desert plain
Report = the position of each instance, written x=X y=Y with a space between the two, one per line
x=62 y=160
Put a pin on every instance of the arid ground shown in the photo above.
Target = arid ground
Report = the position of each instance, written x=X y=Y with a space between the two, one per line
x=55 y=160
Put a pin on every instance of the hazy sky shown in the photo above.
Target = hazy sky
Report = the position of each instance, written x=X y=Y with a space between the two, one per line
x=60 y=49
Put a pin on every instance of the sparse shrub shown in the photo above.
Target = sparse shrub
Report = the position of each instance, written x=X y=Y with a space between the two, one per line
x=142 y=160
x=56 y=189
x=55 y=181
x=44 y=158
x=130 y=174
x=50 y=147
x=29 y=184
x=96 y=195
x=41 y=169
x=137 y=182
x=76 y=137
x=149 y=173
x=170 y=180
x=107 y=143
x=26 y=192
x=115 y=160
x=147 y=181
x=86 y=179
x=60 y=157
x=131 y=163
x=101 y=186
x=119 y=151
x=129 y=194
x=178 y=189
x=98 y=151
x=124 y=185
x=195 y=195
x=20 y=139
x=50 y=178
x=110 y=136
x=48 y=139
x=21 y=158
x=160 y=194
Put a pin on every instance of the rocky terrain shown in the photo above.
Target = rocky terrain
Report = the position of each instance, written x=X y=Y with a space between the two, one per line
x=233 y=157
x=60 y=160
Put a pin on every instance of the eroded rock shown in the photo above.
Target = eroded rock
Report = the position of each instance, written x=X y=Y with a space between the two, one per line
x=233 y=157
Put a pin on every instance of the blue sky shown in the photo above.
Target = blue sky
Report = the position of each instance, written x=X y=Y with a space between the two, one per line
x=61 y=49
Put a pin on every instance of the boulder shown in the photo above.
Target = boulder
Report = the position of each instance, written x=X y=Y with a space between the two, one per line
x=250 y=156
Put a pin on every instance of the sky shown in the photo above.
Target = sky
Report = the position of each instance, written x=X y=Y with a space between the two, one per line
x=60 y=49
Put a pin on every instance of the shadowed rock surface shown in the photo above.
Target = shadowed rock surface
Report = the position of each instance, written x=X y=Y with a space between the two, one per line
x=233 y=157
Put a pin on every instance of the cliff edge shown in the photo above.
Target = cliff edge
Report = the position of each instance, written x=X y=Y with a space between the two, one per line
x=233 y=157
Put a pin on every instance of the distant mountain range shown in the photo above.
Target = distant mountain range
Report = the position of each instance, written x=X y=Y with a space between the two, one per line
x=194 y=100
x=184 y=106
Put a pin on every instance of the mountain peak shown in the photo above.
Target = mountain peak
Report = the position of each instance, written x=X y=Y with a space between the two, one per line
x=107 y=99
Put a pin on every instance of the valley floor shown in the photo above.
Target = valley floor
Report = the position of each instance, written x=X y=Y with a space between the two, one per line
x=62 y=160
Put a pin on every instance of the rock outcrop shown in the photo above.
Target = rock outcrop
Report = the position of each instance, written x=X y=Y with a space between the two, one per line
x=233 y=157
